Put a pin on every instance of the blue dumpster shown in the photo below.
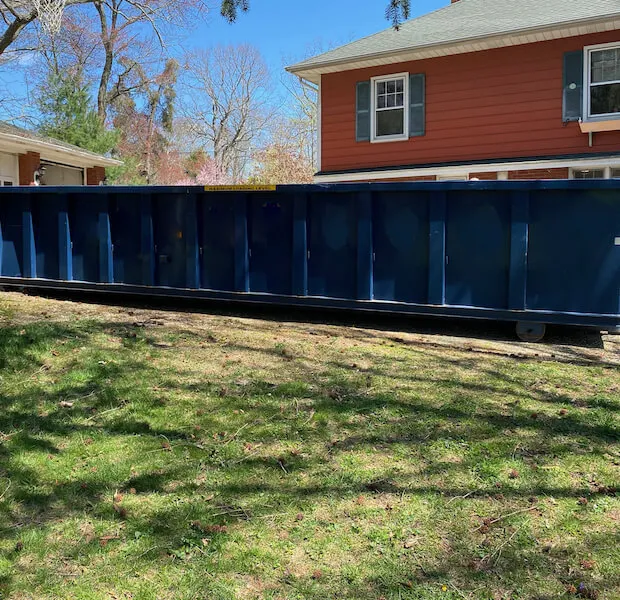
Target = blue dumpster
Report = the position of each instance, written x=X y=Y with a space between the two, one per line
x=532 y=252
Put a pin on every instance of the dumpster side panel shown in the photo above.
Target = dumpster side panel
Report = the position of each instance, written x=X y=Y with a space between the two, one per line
x=125 y=223
x=217 y=242
x=169 y=230
x=573 y=262
x=12 y=236
x=45 y=215
x=270 y=231
x=84 y=211
x=332 y=245
x=401 y=244
x=478 y=249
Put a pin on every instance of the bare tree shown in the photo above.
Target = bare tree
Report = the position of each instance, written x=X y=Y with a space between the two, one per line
x=303 y=117
x=227 y=103
x=120 y=38
x=114 y=35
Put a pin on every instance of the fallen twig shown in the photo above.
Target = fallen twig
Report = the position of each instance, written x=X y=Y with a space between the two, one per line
x=7 y=489
x=234 y=435
x=461 y=594
x=105 y=412
x=236 y=462
x=499 y=550
x=462 y=497
x=512 y=514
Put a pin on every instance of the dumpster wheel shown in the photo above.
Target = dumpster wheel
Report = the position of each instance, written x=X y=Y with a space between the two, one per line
x=531 y=332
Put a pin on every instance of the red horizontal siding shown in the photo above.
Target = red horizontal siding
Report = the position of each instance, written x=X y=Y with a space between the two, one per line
x=487 y=176
x=559 y=173
x=497 y=104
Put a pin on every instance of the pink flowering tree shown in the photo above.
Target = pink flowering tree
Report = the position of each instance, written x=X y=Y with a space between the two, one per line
x=208 y=174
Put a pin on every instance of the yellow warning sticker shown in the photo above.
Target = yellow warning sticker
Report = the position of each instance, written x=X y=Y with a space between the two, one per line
x=240 y=188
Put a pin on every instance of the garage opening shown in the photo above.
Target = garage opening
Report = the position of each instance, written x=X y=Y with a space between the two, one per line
x=57 y=174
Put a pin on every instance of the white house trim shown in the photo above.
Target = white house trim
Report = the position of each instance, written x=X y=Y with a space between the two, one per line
x=373 y=109
x=464 y=170
x=587 y=80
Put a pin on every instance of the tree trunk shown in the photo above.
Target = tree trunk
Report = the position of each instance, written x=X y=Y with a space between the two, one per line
x=106 y=73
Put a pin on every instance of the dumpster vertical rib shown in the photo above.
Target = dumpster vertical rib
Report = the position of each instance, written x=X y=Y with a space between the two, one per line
x=519 y=233
x=299 y=264
x=364 y=247
x=106 y=270
x=242 y=264
x=29 y=268
x=65 y=256
x=437 y=249
x=192 y=264
x=147 y=247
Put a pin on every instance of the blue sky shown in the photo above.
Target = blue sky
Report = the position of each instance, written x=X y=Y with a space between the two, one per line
x=285 y=30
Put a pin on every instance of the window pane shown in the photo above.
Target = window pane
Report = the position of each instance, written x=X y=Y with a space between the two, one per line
x=399 y=99
x=381 y=87
x=615 y=172
x=605 y=99
x=390 y=122
x=589 y=174
x=391 y=100
x=391 y=86
x=399 y=85
x=605 y=65
x=381 y=102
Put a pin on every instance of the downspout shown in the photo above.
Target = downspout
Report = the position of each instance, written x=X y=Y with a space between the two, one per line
x=317 y=90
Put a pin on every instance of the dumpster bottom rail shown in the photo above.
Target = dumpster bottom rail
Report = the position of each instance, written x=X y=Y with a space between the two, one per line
x=530 y=325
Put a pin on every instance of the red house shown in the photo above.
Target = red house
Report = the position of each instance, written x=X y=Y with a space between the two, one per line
x=480 y=89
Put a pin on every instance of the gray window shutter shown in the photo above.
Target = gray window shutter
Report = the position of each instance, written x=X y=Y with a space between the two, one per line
x=417 y=113
x=362 y=111
x=572 y=104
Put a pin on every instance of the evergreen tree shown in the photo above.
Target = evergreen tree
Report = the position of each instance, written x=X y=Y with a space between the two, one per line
x=69 y=115
x=397 y=10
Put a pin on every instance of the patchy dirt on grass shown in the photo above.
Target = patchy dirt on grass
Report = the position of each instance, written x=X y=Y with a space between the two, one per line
x=562 y=344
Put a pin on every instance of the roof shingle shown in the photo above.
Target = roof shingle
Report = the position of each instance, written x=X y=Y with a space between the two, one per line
x=467 y=20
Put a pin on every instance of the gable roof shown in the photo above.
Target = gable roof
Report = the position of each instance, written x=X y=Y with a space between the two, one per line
x=466 y=26
x=20 y=139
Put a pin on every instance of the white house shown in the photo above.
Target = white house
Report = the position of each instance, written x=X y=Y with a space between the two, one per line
x=26 y=157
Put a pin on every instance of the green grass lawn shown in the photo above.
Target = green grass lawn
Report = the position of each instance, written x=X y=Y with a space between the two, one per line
x=153 y=455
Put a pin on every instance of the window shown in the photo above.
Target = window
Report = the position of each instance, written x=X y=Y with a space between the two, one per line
x=603 y=77
x=589 y=174
x=615 y=173
x=390 y=117
x=7 y=182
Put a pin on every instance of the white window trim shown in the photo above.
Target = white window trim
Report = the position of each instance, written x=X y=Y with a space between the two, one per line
x=373 y=106
x=587 y=82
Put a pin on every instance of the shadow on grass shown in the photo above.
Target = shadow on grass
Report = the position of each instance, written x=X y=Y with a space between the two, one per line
x=111 y=397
